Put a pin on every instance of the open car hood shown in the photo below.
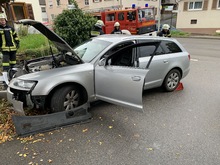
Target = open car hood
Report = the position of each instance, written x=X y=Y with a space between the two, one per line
x=52 y=36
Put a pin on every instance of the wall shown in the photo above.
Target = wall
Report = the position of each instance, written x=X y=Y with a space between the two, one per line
x=207 y=20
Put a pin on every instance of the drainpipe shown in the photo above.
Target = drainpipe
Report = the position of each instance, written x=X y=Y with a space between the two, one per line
x=159 y=15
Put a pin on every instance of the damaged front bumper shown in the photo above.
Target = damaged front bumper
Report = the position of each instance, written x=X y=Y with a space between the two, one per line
x=19 y=105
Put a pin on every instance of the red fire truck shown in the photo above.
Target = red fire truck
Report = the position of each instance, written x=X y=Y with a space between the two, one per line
x=136 y=20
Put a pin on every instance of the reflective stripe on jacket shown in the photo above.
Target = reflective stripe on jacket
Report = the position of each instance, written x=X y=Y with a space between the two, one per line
x=8 y=38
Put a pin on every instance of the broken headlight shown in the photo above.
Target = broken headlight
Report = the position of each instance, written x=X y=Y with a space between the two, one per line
x=25 y=84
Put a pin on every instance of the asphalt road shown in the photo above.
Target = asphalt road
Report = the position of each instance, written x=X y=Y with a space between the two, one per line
x=178 y=128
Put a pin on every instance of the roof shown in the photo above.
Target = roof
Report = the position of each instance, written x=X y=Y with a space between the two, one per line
x=118 y=37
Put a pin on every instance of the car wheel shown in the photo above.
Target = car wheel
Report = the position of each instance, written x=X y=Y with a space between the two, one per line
x=172 y=80
x=66 y=98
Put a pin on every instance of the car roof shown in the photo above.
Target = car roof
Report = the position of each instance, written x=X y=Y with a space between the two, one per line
x=115 y=38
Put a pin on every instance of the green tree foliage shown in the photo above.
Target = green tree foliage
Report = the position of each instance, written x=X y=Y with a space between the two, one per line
x=73 y=25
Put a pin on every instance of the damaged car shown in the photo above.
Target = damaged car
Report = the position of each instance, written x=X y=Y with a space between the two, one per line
x=112 y=68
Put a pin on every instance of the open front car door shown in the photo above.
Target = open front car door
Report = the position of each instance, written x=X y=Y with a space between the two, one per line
x=118 y=80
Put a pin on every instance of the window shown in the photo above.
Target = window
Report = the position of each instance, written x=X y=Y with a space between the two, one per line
x=50 y=3
x=120 y=16
x=58 y=2
x=123 y=57
x=86 y=2
x=45 y=19
x=43 y=9
x=42 y=2
x=88 y=50
x=193 y=21
x=52 y=16
x=131 y=15
x=197 y=5
x=110 y=17
x=69 y=2
x=147 y=50
x=19 y=11
x=170 y=47
x=145 y=14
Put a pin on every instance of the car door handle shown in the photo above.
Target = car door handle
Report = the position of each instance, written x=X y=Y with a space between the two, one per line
x=165 y=61
x=136 y=78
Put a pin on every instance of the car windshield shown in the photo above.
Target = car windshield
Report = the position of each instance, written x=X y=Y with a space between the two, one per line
x=146 y=13
x=90 y=49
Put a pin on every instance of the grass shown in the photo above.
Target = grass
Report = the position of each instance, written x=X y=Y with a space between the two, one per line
x=34 y=45
x=217 y=34
x=32 y=41
x=179 y=34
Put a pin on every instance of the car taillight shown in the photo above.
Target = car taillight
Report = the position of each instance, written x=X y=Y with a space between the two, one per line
x=189 y=56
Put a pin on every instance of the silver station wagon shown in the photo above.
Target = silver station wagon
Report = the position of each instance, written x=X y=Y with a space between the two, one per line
x=112 y=68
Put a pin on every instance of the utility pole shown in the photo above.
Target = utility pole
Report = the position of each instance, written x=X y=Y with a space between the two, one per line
x=120 y=4
x=159 y=15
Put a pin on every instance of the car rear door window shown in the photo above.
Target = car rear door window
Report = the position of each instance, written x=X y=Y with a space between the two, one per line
x=147 y=50
x=170 y=47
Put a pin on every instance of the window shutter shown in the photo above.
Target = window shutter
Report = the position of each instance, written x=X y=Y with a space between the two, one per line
x=205 y=5
x=30 y=11
x=214 y=4
x=185 y=6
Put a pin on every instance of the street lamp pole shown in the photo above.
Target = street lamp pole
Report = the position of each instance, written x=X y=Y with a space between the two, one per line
x=120 y=4
x=159 y=15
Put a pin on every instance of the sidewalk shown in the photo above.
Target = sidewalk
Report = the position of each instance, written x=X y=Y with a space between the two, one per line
x=198 y=36
x=204 y=36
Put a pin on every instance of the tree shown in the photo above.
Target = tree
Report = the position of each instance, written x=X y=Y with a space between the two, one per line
x=73 y=25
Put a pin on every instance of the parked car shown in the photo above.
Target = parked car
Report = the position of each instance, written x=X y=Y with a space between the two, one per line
x=113 y=68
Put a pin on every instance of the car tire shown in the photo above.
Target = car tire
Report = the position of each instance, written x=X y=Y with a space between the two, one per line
x=66 y=98
x=172 y=80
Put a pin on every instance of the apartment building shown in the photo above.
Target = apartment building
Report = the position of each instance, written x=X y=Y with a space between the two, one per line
x=199 y=16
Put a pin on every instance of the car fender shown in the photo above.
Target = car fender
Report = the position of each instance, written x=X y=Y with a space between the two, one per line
x=45 y=86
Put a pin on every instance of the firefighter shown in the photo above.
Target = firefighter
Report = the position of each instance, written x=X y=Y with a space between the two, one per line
x=117 y=29
x=97 y=30
x=165 y=32
x=9 y=43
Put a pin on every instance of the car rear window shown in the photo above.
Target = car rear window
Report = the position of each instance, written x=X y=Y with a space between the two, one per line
x=170 y=47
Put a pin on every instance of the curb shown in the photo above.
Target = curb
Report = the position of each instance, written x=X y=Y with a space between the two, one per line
x=201 y=37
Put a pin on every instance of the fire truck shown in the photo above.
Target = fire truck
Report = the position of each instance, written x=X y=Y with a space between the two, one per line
x=136 y=20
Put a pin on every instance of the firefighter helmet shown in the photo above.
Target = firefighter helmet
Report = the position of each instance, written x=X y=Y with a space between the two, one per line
x=166 y=27
x=100 y=23
x=2 y=15
x=116 y=24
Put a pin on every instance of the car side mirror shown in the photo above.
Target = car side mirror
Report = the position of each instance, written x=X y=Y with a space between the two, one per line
x=102 y=62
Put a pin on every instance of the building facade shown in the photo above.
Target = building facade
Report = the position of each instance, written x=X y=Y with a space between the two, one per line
x=199 y=16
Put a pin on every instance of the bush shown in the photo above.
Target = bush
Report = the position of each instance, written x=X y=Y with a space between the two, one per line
x=22 y=30
x=38 y=52
x=74 y=26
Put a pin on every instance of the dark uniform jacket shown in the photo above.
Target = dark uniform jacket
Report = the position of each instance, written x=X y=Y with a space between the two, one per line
x=8 y=38
x=116 y=31
x=164 y=34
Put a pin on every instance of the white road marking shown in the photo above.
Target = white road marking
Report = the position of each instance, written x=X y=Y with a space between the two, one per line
x=194 y=59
